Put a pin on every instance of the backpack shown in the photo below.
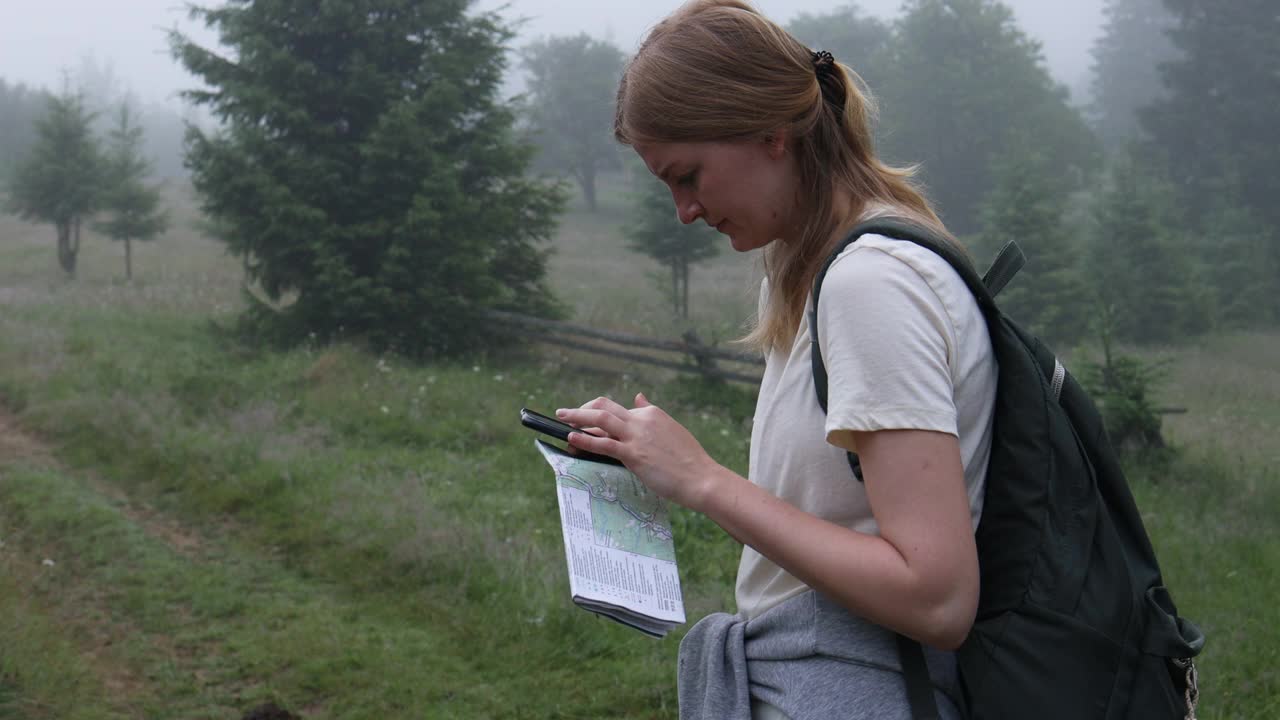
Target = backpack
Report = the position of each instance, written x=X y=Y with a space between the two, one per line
x=1074 y=621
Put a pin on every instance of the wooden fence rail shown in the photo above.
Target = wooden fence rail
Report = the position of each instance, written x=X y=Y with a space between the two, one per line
x=568 y=335
x=586 y=339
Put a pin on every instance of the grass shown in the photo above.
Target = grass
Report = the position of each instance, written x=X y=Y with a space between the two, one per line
x=351 y=536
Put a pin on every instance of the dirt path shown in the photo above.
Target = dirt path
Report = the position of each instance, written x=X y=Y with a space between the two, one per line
x=80 y=608
x=84 y=612
x=18 y=446
x=95 y=636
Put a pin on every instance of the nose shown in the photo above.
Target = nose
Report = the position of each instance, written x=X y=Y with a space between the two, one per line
x=688 y=209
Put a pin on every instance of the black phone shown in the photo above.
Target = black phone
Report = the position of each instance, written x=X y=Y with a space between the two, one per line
x=560 y=431
x=547 y=425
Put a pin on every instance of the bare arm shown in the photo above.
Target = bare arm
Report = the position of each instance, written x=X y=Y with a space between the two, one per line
x=919 y=577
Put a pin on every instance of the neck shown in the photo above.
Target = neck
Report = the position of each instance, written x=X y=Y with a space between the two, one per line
x=847 y=210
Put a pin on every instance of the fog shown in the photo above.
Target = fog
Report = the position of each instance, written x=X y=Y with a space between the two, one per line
x=42 y=42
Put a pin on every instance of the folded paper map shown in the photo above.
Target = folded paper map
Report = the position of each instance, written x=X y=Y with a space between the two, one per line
x=618 y=544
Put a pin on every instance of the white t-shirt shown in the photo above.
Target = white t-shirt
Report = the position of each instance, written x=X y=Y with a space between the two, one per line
x=906 y=347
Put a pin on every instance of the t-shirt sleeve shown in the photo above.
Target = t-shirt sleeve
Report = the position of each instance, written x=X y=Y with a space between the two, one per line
x=887 y=341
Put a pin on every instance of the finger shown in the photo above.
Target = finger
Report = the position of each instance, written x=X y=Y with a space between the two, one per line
x=604 y=403
x=597 y=445
x=603 y=419
x=642 y=401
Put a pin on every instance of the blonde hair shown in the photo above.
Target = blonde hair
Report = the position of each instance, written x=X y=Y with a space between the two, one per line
x=718 y=70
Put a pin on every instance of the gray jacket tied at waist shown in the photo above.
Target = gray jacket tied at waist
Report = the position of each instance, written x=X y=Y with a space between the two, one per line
x=808 y=657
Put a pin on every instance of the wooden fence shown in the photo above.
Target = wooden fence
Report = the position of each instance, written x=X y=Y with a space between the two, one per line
x=689 y=354
x=700 y=358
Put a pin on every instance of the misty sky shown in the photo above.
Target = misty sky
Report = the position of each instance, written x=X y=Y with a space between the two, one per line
x=41 y=39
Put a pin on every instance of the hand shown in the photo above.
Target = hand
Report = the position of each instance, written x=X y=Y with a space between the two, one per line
x=660 y=451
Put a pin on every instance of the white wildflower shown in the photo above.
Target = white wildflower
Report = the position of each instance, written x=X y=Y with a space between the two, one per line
x=48 y=563
x=385 y=410
x=497 y=378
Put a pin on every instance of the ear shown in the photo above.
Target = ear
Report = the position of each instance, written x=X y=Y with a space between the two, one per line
x=775 y=142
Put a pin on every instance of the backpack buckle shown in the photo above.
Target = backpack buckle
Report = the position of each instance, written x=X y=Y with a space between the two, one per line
x=1192 y=692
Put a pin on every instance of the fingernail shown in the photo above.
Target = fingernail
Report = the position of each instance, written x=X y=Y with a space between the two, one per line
x=560 y=412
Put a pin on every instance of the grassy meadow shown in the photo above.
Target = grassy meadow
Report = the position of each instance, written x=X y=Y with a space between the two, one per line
x=190 y=528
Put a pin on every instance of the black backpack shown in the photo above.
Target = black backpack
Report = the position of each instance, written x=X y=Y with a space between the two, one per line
x=1074 y=621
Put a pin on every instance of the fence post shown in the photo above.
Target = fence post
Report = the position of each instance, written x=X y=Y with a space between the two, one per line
x=706 y=364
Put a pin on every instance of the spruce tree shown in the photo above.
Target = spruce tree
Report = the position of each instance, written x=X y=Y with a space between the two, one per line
x=1126 y=67
x=1028 y=206
x=1241 y=269
x=132 y=207
x=655 y=230
x=1215 y=129
x=58 y=181
x=366 y=171
x=1140 y=262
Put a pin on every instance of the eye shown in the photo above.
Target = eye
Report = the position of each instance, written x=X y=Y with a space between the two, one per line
x=689 y=179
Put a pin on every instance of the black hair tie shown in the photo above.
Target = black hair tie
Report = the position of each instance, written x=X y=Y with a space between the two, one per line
x=824 y=64
x=829 y=82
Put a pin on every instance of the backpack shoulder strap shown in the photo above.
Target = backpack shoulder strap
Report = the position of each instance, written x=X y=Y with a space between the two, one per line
x=1005 y=266
x=902 y=229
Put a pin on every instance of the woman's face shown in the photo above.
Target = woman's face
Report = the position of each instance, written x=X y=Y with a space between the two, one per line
x=744 y=189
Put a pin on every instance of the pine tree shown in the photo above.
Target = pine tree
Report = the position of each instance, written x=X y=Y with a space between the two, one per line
x=655 y=230
x=366 y=168
x=1139 y=261
x=132 y=207
x=1240 y=267
x=1028 y=206
x=1126 y=59
x=58 y=182
x=1215 y=130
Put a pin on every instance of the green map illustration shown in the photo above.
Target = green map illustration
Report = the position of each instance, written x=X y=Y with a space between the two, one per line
x=624 y=513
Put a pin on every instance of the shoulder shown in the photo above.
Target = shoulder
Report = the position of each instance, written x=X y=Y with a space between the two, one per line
x=877 y=259
x=882 y=288
x=877 y=266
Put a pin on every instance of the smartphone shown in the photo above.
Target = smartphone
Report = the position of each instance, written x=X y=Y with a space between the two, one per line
x=560 y=431
x=546 y=425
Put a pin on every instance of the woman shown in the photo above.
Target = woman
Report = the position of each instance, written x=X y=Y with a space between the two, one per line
x=770 y=143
